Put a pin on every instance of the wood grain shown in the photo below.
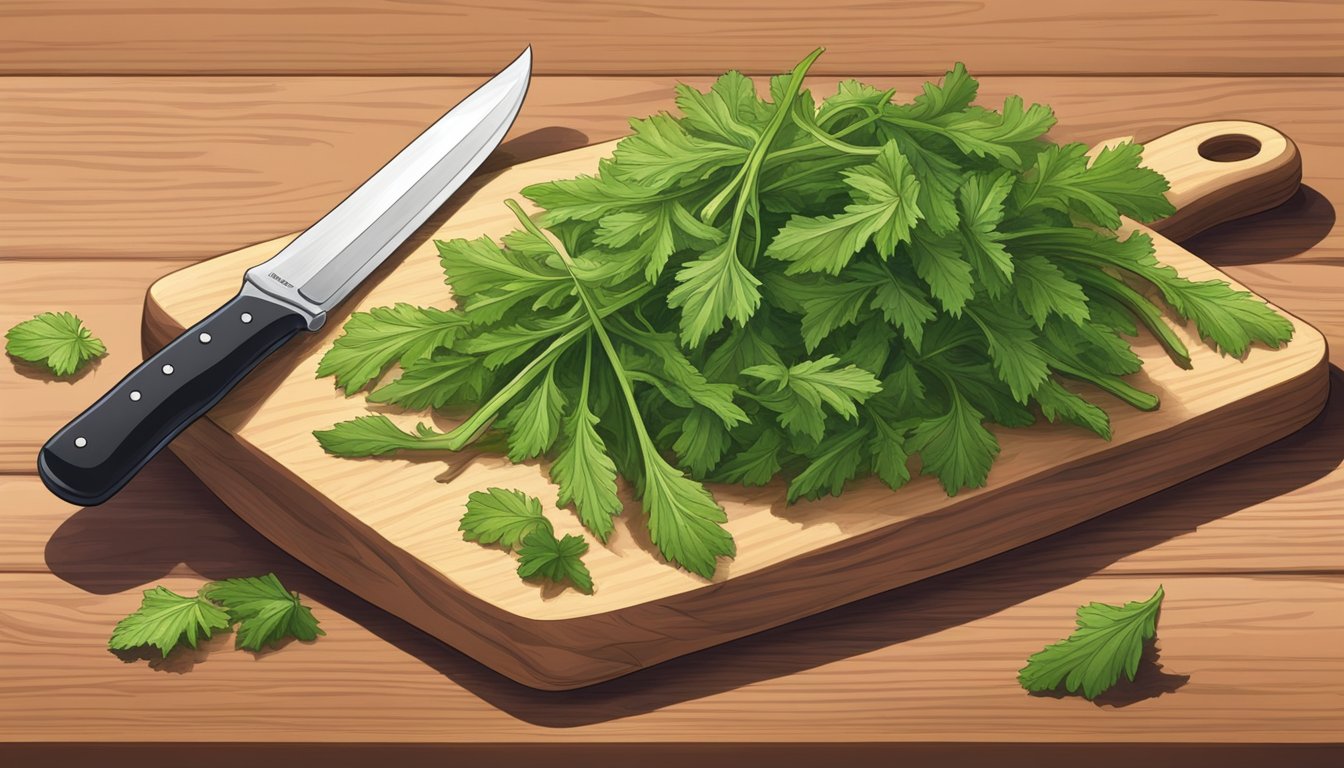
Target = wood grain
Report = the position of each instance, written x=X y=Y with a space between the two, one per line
x=1243 y=659
x=187 y=168
x=1257 y=515
x=105 y=294
x=651 y=36
x=214 y=754
x=377 y=527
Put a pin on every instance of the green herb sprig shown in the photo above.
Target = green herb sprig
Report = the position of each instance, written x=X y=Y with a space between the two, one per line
x=768 y=287
x=262 y=609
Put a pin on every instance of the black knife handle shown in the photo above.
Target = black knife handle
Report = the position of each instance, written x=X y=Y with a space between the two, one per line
x=92 y=457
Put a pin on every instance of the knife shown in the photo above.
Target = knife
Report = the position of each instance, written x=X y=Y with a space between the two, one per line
x=97 y=453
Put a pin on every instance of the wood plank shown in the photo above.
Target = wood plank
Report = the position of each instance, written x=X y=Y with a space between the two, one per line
x=106 y=294
x=651 y=36
x=186 y=168
x=164 y=523
x=677 y=755
x=1243 y=660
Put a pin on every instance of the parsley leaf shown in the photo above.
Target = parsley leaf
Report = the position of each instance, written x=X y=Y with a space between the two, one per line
x=166 y=619
x=1230 y=318
x=376 y=436
x=1018 y=359
x=981 y=203
x=884 y=210
x=828 y=304
x=534 y=424
x=938 y=262
x=986 y=133
x=583 y=469
x=731 y=112
x=497 y=516
x=445 y=378
x=661 y=154
x=489 y=282
x=956 y=446
x=715 y=287
x=685 y=522
x=514 y=520
x=373 y=340
x=756 y=462
x=1109 y=641
x=1042 y=289
x=557 y=560
x=56 y=340
x=265 y=611
x=1059 y=404
x=800 y=390
x=1113 y=185
x=830 y=467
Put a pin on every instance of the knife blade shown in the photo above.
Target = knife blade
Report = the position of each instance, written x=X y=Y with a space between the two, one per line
x=100 y=450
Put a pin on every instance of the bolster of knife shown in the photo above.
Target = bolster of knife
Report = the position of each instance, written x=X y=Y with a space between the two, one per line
x=93 y=456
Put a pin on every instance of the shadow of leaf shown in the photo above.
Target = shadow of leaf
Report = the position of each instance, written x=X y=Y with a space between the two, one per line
x=39 y=372
x=1150 y=681
x=181 y=659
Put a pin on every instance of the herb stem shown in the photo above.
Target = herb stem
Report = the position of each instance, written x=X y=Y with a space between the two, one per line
x=465 y=432
x=622 y=377
x=835 y=144
x=747 y=174
x=1145 y=311
x=595 y=318
x=1144 y=401
x=918 y=125
x=1032 y=232
x=784 y=154
x=811 y=171
x=873 y=114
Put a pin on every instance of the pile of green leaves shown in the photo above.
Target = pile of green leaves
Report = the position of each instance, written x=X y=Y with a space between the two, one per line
x=764 y=288
x=263 y=610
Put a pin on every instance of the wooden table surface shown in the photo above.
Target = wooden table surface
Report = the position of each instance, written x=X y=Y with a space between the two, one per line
x=139 y=138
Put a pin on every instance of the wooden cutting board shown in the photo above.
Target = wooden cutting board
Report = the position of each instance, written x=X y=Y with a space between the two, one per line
x=386 y=529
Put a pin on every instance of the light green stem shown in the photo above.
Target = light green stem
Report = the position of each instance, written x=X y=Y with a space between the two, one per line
x=467 y=430
x=751 y=168
x=595 y=318
x=835 y=144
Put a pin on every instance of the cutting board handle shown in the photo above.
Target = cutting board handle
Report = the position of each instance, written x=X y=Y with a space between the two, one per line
x=1222 y=170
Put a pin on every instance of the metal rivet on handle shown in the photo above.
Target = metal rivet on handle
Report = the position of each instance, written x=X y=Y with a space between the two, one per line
x=135 y=396
x=167 y=370
x=205 y=338
x=80 y=442
x=247 y=317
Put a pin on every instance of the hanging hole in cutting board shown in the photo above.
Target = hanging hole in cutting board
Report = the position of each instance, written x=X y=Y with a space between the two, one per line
x=1229 y=148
